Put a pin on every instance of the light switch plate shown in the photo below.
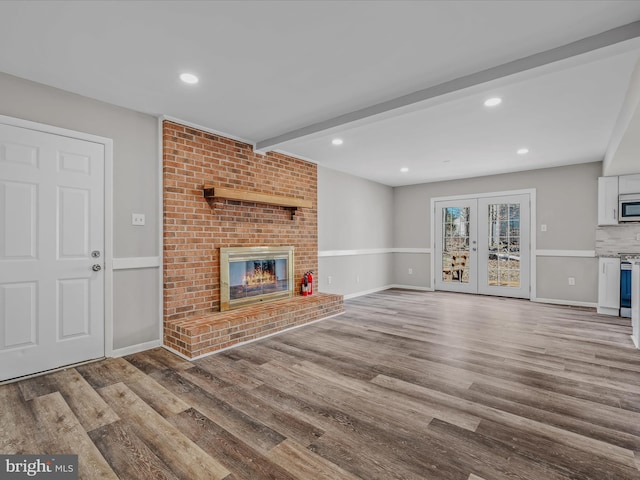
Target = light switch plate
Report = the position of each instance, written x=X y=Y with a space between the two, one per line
x=137 y=219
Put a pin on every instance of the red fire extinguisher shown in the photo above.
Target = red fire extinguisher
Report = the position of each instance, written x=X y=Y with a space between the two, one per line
x=306 y=286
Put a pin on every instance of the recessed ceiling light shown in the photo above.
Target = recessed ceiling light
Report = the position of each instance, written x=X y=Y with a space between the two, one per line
x=188 y=78
x=492 y=102
x=522 y=151
x=337 y=141
x=404 y=169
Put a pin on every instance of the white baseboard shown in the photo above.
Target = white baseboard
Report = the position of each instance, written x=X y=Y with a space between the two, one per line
x=366 y=292
x=140 y=347
x=412 y=287
x=182 y=355
x=387 y=287
x=569 y=303
x=614 y=312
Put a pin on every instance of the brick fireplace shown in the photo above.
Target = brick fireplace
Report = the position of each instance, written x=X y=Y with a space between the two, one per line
x=196 y=228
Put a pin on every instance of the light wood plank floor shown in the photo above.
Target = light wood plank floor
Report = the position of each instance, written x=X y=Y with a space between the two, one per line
x=404 y=385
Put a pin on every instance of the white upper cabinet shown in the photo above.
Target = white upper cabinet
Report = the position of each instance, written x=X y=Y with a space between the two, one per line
x=629 y=184
x=608 y=200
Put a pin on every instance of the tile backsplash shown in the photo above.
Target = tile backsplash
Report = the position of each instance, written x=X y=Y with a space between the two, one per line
x=612 y=240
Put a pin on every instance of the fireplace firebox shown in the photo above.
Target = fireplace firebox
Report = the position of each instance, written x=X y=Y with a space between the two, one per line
x=250 y=275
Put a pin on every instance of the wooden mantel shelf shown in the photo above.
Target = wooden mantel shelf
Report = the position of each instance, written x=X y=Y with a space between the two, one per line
x=211 y=191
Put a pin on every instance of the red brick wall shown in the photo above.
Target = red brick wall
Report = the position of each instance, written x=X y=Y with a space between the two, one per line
x=195 y=229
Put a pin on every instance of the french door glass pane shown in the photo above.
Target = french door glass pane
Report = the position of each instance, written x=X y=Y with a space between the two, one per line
x=504 y=245
x=455 y=244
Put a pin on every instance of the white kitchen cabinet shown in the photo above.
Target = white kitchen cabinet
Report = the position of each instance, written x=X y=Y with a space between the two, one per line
x=608 y=201
x=609 y=286
x=628 y=184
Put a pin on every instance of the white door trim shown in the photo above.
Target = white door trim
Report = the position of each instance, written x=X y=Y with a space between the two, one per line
x=533 y=232
x=108 y=210
x=161 y=119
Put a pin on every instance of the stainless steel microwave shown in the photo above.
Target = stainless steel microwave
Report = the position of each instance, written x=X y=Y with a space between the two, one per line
x=629 y=208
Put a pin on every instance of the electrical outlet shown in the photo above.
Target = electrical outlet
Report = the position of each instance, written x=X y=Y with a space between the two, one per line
x=358 y=279
x=543 y=227
x=329 y=280
x=411 y=271
x=572 y=281
x=137 y=219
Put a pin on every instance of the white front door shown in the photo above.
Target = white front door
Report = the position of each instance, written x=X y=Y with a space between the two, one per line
x=482 y=245
x=51 y=239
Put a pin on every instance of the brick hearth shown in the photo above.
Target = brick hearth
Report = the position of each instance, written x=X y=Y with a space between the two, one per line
x=195 y=336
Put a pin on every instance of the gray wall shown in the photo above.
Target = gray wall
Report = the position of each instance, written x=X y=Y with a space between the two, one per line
x=559 y=191
x=135 y=171
x=418 y=263
x=356 y=214
x=354 y=275
x=136 y=295
x=353 y=214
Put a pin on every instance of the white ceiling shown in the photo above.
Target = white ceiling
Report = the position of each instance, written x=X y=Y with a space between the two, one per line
x=564 y=117
x=268 y=68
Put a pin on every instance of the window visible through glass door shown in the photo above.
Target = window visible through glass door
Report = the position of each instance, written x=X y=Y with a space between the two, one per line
x=503 y=256
x=455 y=239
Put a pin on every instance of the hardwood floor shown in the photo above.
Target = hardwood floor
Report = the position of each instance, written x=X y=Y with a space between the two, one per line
x=404 y=385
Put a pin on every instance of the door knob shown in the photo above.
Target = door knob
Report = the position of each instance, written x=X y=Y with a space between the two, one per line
x=96 y=267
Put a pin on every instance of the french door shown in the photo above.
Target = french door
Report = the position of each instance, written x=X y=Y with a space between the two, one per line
x=457 y=246
x=482 y=245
